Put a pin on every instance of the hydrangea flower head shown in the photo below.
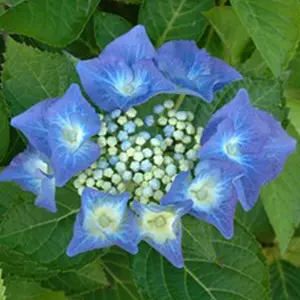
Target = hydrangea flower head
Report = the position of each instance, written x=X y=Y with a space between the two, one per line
x=33 y=172
x=160 y=227
x=124 y=74
x=193 y=70
x=248 y=138
x=103 y=221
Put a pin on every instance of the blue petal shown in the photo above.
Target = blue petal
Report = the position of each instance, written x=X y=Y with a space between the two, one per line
x=67 y=163
x=34 y=126
x=84 y=240
x=238 y=105
x=33 y=173
x=112 y=84
x=220 y=212
x=171 y=247
x=72 y=121
x=193 y=70
x=132 y=46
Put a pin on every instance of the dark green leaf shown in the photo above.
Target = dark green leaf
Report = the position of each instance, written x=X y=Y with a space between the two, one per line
x=174 y=19
x=4 y=129
x=214 y=268
x=274 y=26
x=285 y=281
x=108 y=27
x=53 y=22
x=281 y=198
x=31 y=75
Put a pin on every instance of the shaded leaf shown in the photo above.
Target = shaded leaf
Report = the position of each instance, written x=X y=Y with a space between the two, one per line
x=108 y=27
x=174 y=19
x=55 y=22
x=4 y=129
x=293 y=253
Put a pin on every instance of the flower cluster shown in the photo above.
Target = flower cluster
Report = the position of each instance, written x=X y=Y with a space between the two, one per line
x=138 y=176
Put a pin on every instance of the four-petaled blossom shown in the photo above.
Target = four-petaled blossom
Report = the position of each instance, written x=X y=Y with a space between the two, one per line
x=33 y=172
x=160 y=227
x=193 y=70
x=212 y=193
x=124 y=74
x=60 y=128
x=103 y=221
x=248 y=138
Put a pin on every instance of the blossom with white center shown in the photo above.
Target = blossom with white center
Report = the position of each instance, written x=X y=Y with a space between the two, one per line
x=82 y=178
x=127 y=175
x=140 y=140
x=179 y=148
x=181 y=125
x=178 y=135
x=146 y=165
x=172 y=121
x=149 y=120
x=101 y=141
x=147 y=152
x=108 y=172
x=138 y=177
x=171 y=169
x=126 y=145
x=112 y=141
x=112 y=127
x=155 y=184
x=123 y=157
x=131 y=113
x=115 y=113
x=122 y=120
x=169 y=104
x=138 y=122
x=122 y=136
x=162 y=121
x=130 y=127
x=148 y=191
x=171 y=113
x=138 y=156
x=120 y=167
x=130 y=152
x=113 y=160
x=98 y=174
x=181 y=115
x=135 y=166
x=90 y=182
x=158 y=160
x=148 y=176
x=112 y=151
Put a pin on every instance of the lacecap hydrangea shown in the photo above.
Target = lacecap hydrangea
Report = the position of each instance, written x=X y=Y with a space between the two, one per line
x=138 y=176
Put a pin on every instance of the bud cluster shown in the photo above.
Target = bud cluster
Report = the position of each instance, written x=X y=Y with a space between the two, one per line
x=142 y=156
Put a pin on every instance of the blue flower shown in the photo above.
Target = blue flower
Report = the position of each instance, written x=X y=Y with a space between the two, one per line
x=33 y=172
x=160 y=227
x=250 y=139
x=103 y=221
x=212 y=192
x=124 y=74
x=72 y=121
x=60 y=128
x=193 y=70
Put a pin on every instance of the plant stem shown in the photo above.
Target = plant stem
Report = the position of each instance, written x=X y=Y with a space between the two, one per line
x=179 y=101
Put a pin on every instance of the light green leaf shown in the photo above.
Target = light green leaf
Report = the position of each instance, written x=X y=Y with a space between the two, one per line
x=2 y=287
x=22 y=289
x=232 y=33
x=174 y=19
x=108 y=27
x=53 y=22
x=4 y=129
x=293 y=253
x=274 y=26
x=294 y=114
x=214 y=268
x=84 y=280
x=292 y=86
x=281 y=198
x=31 y=75
x=285 y=281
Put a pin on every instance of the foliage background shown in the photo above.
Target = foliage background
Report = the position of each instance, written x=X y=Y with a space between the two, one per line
x=41 y=40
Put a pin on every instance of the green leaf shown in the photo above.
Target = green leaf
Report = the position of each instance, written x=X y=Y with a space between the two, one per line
x=293 y=253
x=292 y=86
x=84 y=280
x=265 y=94
x=31 y=75
x=174 y=19
x=22 y=289
x=257 y=222
x=85 y=46
x=108 y=27
x=2 y=287
x=232 y=33
x=285 y=281
x=4 y=129
x=53 y=22
x=44 y=236
x=294 y=113
x=271 y=23
x=281 y=198
x=117 y=267
x=214 y=268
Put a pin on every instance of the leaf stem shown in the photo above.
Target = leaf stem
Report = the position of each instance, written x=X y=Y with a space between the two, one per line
x=179 y=101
